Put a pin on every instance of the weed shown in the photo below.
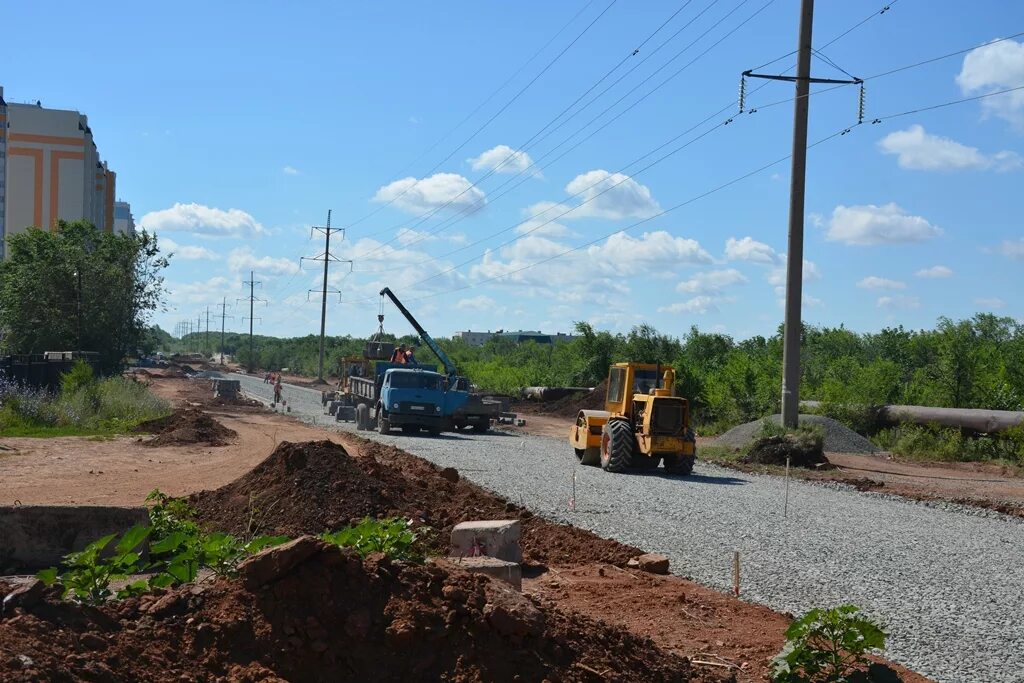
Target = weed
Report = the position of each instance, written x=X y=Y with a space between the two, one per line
x=827 y=646
x=394 y=537
x=88 y=575
x=931 y=443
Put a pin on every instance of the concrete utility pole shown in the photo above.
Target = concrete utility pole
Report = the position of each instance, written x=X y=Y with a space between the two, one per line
x=223 y=315
x=326 y=257
x=208 y=352
x=798 y=177
x=252 y=282
x=795 y=249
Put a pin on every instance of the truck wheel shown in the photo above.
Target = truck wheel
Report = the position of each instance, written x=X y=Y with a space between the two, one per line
x=617 y=444
x=410 y=429
x=481 y=427
x=434 y=431
x=589 y=456
x=679 y=464
x=383 y=424
x=362 y=416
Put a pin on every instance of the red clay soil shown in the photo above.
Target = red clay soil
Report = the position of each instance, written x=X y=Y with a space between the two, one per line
x=186 y=426
x=333 y=617
x=317 y=486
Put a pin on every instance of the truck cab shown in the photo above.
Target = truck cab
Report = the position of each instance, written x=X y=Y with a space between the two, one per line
x=412 y=399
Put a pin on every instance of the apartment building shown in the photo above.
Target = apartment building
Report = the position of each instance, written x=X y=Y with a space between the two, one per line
x=124 y=222
x=50 y=169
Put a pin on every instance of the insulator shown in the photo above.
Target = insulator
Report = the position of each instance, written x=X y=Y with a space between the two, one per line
x=743 y=92
x=860 y=105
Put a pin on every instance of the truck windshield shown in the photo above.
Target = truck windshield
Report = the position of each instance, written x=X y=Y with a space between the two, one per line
x=414 y=380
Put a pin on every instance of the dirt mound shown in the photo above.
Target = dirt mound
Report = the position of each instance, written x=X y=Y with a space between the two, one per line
x=774 y=450
x=186 y=426
x=333 y=617
x=838 y=437
x=318 y=486
x=571 y=405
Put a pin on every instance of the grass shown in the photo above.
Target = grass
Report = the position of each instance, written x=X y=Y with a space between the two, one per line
x=947 y=444
x=84 y=407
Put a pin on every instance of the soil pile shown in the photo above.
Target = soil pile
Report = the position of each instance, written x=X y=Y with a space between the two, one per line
x=317 y=486
x=774 y=450
x=332 y=617
x=570 y=406
x=186 y=426
x=838 y=437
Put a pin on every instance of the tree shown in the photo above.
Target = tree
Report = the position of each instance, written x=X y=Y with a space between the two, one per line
x=80 y=288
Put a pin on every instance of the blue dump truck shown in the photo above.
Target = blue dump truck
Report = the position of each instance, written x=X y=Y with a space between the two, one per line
x=378 y=394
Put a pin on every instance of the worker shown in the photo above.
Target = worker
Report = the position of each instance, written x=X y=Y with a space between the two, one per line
x=410 y=356
x=277 y=390
x=399 y=355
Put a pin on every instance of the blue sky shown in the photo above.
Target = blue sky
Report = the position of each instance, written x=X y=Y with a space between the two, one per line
x=234 y=127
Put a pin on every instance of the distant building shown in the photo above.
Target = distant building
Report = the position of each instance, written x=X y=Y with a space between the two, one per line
x=124 y=222
x=518 y=336
x=50 y=170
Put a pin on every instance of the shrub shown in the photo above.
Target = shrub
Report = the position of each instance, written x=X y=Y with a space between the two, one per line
x=88 y=576
x=948 y=444
x=78 y=377
x=827 y=646
x=394 y=537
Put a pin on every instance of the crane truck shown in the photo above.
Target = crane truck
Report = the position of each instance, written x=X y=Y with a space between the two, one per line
x=378 y=394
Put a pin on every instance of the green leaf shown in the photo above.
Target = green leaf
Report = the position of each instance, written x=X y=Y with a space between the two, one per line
x=132 y=538
x=48 y=576
x=167 y=544
x=161 y=581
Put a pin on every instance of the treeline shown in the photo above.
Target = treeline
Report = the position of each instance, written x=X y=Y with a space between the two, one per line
x=974 y=363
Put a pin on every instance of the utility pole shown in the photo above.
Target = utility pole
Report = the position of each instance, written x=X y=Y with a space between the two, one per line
x=793 y=327
x=326 y=257
x=208 y=352
x=223 y=315
x=252 y=282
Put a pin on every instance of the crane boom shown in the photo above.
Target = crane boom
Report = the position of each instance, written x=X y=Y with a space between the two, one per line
x=449 y=366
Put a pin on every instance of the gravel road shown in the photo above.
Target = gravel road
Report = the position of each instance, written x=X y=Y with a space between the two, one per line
x=948 y=581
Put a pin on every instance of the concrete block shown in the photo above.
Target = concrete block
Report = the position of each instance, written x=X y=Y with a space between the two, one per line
x=509 y=572
x=34 y=537
x=493 y=538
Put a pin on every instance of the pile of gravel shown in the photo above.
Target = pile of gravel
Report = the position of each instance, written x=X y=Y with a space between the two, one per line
x=838 y=437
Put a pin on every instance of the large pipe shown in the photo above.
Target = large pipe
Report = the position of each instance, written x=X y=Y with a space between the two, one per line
x=973 y=419
x=552 y=393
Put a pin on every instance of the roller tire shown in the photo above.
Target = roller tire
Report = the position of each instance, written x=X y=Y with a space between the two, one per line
x=679 y=464
x=589 y=456
x=362 y=416
x=617 y=446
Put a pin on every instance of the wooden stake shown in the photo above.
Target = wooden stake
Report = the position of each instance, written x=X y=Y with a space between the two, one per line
x=736 y=573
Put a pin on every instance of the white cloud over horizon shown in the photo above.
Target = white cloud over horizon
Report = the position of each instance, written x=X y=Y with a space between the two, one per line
x=995 y=67
x=502 y=159
x=711 y=281
x=452 y=191
x=749 y=249
x=875 y=282
x=898 y=302
x=871 y=225
x=243 y=258
x=202 y=220
x=915 y=149
x=935 y=272
x=186 y=252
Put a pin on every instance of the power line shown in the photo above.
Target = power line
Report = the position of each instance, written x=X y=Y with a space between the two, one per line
x=602 y=113
x=326 y=257
x=418 y=220
x=509 y=103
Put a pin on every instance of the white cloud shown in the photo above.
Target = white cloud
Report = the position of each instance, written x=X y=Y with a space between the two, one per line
x=749 y=249
x=289 y=170
x=935 y=272
x=872 y=225
x=432 y=193
x=991 y=303
x=711 y=282
x=1013 y=249
x=502 y=159
x=605 y=195
x=698 y=304
x=186 y=252
x=777 y=276
x=407 y=236
x=898 y=302
x=477 y=303
x=202 y=220
x=874 y=282
x=205 y=291
x=653 y=250
x=991 y=68
x=542 y=227
x=920 y=151
x=244 y=259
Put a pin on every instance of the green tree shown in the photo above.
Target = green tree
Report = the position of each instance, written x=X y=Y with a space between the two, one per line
x=79 y=288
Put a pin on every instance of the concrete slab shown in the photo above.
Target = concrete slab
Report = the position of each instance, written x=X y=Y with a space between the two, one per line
x=34 y=537
x=509 y=572
x=494 y=538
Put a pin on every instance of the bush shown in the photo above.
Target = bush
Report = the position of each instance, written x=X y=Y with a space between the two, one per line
x=394 y=537
x=917 y=442
x=828 y=646
x=78 y=377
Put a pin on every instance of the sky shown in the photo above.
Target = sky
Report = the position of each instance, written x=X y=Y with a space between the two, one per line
x=527 y=165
